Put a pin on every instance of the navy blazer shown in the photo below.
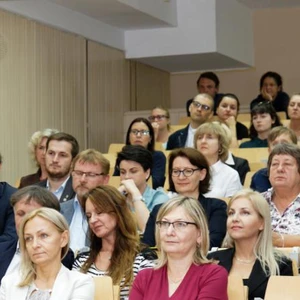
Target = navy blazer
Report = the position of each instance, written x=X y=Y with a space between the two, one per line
x=178 y=138
x=258 y=280
x=68 y=192
x=215 y=211
x=260 y=181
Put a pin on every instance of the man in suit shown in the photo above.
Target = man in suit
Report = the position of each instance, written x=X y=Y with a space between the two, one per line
x=201 y=110
x=61 y=148
x=89 y=170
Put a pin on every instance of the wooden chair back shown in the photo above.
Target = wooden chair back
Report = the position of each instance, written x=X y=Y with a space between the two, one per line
x=236 y=289
x=184 y=121
x=112 y=161
x=104 y=288
x=252 y=154
x=248 y=179
x=114 y=148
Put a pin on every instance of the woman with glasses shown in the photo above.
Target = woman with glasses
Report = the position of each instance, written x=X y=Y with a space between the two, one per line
x=140 y=132
x=263 y=119
x=160 y=121
x=189 y=176
x=212 y=140
x=183 y=271
x=250 y=252
x=114 y=249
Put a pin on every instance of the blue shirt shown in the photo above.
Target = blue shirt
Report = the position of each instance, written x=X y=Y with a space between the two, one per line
x=153 y=197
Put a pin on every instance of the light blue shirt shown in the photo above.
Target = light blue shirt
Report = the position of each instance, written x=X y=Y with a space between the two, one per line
x=60 y=190
x=153 y=197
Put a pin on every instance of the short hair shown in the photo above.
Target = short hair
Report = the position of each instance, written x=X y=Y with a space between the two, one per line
x=209 y=75
x=217 y=129
x=232 y=96
x=151 y=144
x=62 y=136
x=205 y=95
x=108 y=199
x=263 y=249
x=135 y=153
x=36 y=139
x=281 y=130
x=197 y=159
x=167 y=114
x=60 y=223
x=285 y=149
x=92 y=156
x=274 y=75
x=195 y=211
x=37 y=194
x=263 y=108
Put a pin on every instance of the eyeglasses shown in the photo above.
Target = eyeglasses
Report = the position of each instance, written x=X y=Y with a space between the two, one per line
x=201 y=106
x=158 y=117
x=186 y=172
x=77 y=173
x=142 y=132
x=177 y=225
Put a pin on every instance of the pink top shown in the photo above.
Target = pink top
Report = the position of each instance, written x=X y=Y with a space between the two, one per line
x=204 y=282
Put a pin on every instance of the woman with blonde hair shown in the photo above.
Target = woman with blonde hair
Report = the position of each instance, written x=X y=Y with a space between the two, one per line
x=249 y=238
x=183 y=271
x=212 y=141
x=44 y=241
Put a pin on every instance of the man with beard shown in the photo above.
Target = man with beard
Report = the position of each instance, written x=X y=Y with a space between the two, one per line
x=89 y=170
x=61 y=148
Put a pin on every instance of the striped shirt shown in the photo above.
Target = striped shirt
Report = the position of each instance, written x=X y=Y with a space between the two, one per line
x=140 y=263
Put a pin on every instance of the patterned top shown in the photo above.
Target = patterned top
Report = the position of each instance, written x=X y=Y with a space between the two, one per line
x=36 y=294
x=289 y=221
x=140 y=263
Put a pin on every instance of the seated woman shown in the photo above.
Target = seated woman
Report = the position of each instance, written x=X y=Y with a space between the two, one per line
x=37 y=149
x=263 y=119
x=183 y=271
x=249 y=239
x=212 y=141
x=294 y=114
x=227 y=111
x=140 y=132
x=271 y=90
x=44 y=240
x=160 y=121
x=114 y=249
x=189 y=176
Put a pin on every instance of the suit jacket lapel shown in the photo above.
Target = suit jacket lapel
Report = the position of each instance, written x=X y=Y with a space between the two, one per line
x=257 y=277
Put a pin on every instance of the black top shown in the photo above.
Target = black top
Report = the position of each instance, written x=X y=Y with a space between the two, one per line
x=241 y=131
x=215 y=211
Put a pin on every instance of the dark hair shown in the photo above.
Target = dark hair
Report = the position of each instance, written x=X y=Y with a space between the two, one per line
x=229 y=95
x=37 y=194
x=151 y=144
x=196 y=159
x=62 y=136
x=274 y=75
x=263 y=108
x=136 y=153
x=209 y=75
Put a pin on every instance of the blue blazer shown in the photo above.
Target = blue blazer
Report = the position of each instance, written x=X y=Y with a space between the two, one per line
x=178 y=138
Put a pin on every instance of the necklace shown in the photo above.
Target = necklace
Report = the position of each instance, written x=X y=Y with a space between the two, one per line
x=245 y=261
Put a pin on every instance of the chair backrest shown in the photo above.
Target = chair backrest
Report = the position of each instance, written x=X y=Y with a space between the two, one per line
x=283 y=288
x=177 y=127
x=184 y=120
x=112 y=160
x=248 y=179
x=252 y=154
x=236 y=289
x=103 y=288
x=114 y=148
x=257 y=165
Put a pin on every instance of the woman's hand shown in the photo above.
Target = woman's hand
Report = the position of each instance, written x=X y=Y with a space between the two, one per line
x=265 y=95
x=155 y=126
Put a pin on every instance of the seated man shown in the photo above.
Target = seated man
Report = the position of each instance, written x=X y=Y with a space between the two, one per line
x=284 y=196
x=280 y=134
x=24 y=201
x=134 y=163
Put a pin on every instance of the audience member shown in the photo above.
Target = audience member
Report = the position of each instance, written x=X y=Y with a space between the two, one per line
x=207 y=83
x=271 y=90
x=227 y=110
x=160 y=121
x=249 y=238
x=278 y=135
x=61 y=148
x=89 y=170
x=134 y=164
x=140 y=132
x=183 y=271
x=212 y=141
x=283 y=197
x=37 y=148
x=294 y=114
x=189 y=176
x=263 y=119
x=44 y=239
x=22 y=202
x=114 y=239
x=201 y=109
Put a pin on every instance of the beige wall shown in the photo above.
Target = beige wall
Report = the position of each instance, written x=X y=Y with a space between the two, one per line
x=276 y=45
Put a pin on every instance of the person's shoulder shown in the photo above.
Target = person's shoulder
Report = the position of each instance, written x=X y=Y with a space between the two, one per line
x=213 y=201
x=219 y=254
x=158 y=155
x=212 y=269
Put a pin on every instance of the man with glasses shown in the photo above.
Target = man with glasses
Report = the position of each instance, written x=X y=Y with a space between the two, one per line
x=89 y=170
x=201 y=109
